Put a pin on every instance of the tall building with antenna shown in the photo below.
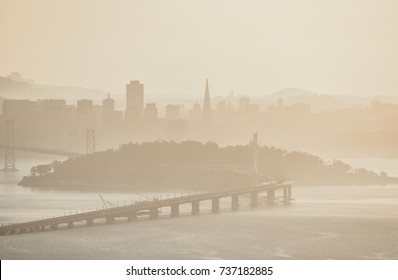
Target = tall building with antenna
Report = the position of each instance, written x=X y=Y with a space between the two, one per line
x=108 y=104
x=207 y=118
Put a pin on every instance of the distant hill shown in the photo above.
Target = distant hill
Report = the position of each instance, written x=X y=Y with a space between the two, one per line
x=322 y=101
x=15 y=86
x=289 y=93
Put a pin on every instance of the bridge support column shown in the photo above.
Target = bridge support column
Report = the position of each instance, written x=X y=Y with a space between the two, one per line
x=153 y=213
x=287 y=194
x=270 y=196
x=110 y=219
x=32 y=229
x=175 y=210
x=215 y=205
x=89 y=222
x=54 y=227
x=235 y=202
x=132 y=216
x=22 y=230
x=70 y=225
x=195 y=208
x=254 y=199
x=43 y=228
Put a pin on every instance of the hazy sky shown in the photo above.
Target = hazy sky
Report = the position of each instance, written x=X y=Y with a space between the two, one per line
x=248 y=46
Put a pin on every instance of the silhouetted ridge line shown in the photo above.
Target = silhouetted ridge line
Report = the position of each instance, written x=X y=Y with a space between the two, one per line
x=157 y=166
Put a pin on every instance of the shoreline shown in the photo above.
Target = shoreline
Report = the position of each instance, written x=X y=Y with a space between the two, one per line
x=124 y=188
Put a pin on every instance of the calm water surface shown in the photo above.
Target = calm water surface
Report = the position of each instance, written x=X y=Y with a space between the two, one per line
x=355 y=222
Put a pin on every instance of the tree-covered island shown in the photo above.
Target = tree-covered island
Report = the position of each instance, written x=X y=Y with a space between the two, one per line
x=192 y=165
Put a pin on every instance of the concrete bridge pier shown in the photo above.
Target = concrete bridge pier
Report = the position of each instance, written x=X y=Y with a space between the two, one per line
x=22 y=230
x=132 y=216
x=54 y=227
x=287 y=194
x=110 y=219
x=153 y=213
x=175 y=210
x=70 y=225
x=270 y=196
x=43 y=228
x=89 y=222
x=215 y=205
x=235 y=202
x=254 y=199
x=195 y=208
x=285 y=200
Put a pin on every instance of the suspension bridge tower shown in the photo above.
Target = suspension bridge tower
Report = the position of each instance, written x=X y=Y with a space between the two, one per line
x=254 y=144
x=90 y=145
x=9 y=155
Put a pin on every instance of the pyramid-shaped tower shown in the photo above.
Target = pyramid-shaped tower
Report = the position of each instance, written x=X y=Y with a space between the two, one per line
x=207 y=120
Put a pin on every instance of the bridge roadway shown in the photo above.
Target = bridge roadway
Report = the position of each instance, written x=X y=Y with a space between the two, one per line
x=151 y=208
x=40 y=150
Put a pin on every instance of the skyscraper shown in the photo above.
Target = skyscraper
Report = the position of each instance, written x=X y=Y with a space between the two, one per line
x=85 y=115
x=112 y=120
x=134 y=107
x=84 y=106
x=151 y=113
x=135 y=97
x=151 y=122
x=172 y=112
x=108 y=105
x=207 y=119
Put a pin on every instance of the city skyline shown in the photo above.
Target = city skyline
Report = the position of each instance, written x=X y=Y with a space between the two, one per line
x=228 y=120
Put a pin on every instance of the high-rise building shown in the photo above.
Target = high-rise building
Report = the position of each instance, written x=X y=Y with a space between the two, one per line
x=84 y=106
x=151 y=122
x=108 y=105
x=195 y=114
x=172 y=112
x=151 y=112
x=207 y=118
x=85 y=118
x=134 y=114
x=26 y=115
x=112 y=120
x=244 y=103
x=135 y=99
x=195 y=122
x=58 y=119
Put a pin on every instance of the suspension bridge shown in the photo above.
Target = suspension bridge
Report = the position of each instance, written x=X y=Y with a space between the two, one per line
x=10 y=148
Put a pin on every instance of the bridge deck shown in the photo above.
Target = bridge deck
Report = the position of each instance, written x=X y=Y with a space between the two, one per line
x=40 y=150
x=133 y=209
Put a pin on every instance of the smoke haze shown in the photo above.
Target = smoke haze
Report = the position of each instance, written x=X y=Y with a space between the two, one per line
x=249 y=47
